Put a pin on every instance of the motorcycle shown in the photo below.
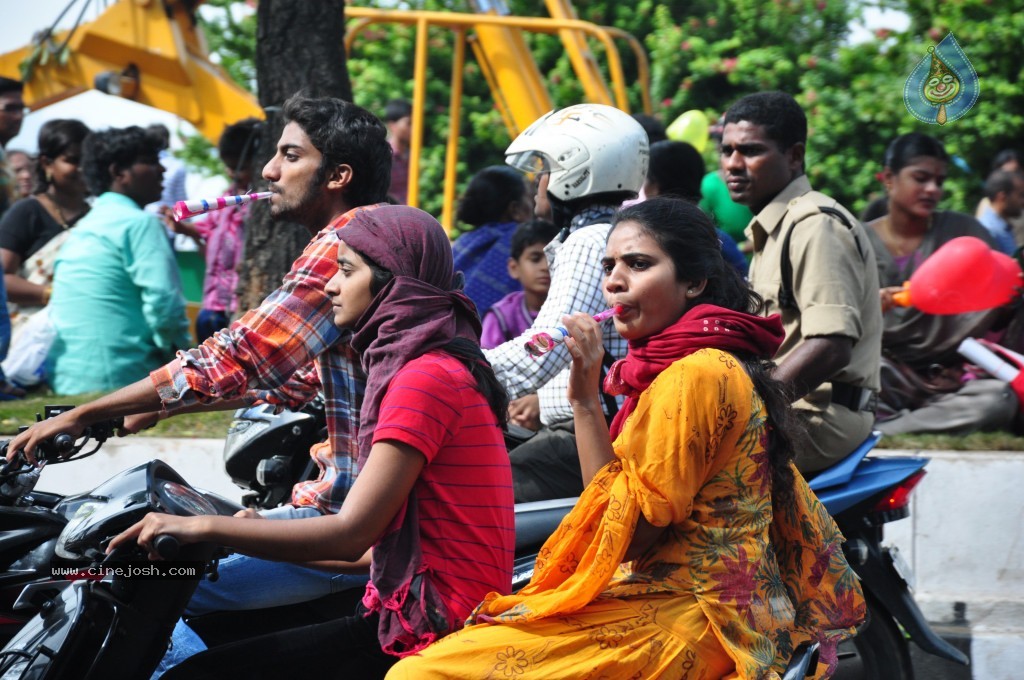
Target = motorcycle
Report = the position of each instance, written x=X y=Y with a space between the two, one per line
x=31 y=521
x=264 y=450
x=115 y=622
x=99 y=615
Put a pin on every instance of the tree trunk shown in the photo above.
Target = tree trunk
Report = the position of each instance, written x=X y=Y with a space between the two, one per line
x=300 y=46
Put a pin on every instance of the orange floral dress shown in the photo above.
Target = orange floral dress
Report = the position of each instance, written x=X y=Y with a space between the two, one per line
x=727 y=591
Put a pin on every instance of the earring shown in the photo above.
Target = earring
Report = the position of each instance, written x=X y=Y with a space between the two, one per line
x=49 y=177
x=691 y=291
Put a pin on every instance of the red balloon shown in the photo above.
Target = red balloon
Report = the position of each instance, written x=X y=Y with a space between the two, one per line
x=965 y=275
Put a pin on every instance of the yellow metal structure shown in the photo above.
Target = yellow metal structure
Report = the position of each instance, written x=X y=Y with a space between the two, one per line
x=151 y=51
x=155 y=39
x=511 y=72
x=583 y=62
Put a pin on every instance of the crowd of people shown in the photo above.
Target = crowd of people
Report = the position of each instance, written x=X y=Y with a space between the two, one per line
x=736 y=364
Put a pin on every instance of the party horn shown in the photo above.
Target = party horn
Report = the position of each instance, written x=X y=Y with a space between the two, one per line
x=544 y=341
x=198 y=206
x=963 y=275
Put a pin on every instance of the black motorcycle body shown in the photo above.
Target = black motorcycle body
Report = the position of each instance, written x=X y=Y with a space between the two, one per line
x=112 y=623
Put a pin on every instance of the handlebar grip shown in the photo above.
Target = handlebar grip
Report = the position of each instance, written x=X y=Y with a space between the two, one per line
x=63 y=443
x=166 y=546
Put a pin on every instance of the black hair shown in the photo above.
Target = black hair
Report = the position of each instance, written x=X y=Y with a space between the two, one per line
x=1001 y=181
x=783 y=119
x=469 y=353
x=489 y=194
x=55 y=138
x=240 y=141
x=397 y=109
x=688 y=237
x=678 y=170
x=654 y=128
x=345 y=134
x=10 y=85
x=905 y=148
x=530 y=232
x=1003 y=157
x=160 y=132
x=120 y=147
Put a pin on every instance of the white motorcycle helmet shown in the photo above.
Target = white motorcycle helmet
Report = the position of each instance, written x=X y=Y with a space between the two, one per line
x=587 y=149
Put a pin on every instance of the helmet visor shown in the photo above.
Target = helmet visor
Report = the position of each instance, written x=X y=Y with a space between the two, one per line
x=532 y=162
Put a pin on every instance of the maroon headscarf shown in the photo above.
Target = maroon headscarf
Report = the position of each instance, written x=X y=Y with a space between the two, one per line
x=416 y=312
x=702 y=326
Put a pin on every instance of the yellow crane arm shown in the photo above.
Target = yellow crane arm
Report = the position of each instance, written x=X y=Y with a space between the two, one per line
x=149 y=51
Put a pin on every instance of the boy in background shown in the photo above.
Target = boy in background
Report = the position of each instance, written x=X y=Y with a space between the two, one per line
x=511 y=315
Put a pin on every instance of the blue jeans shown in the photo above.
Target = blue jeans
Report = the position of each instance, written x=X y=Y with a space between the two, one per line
x=251 y=583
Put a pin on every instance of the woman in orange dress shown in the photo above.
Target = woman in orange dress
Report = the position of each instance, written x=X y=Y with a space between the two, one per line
x=696 y=549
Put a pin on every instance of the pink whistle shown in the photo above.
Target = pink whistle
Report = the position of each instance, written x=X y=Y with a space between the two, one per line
x=544 y=341
x=198 y=206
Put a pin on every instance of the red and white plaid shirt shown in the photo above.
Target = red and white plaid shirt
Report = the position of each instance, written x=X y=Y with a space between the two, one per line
x=282 y=353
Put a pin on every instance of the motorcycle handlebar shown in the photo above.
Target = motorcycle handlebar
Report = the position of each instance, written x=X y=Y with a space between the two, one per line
x=166 y=546
x=61 y=446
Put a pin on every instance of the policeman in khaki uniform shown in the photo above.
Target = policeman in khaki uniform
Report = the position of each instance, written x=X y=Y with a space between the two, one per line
x=812 y=263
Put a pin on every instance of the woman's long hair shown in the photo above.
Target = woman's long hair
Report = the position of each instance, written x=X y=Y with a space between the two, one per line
x=688 y=237
x=905 y=148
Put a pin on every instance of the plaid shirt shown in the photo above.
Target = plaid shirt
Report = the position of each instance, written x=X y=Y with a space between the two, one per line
x=576 y=286
x=281 y=353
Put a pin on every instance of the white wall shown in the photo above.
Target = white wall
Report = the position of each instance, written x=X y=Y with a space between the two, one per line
x=964 y=540
x=199 y=461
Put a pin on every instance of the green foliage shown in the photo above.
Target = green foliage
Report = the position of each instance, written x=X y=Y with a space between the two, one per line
x=855 y=103
x=200 y=156
x=231 y=39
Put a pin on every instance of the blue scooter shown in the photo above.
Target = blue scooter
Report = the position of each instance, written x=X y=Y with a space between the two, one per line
x=863 y=494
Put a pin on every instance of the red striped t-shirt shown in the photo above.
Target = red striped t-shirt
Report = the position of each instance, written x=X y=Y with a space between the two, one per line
x=467 y=526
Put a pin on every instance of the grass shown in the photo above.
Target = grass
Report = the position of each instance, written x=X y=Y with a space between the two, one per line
x=214 y=425
x=14 y=414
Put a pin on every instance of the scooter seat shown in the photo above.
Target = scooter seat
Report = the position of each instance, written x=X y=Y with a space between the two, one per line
x=842 y=472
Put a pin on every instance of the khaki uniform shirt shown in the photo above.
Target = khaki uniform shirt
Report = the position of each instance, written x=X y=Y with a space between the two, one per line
x=835 y=284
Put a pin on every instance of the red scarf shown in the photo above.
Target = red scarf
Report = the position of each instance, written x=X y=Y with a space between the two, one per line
x=703 y=326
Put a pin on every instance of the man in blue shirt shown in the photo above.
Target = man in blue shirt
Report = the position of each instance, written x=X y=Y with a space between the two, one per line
x=117 y=304
x=1005 y=192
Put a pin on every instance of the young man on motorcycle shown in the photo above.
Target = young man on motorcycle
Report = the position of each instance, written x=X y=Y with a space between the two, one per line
x=333 y=160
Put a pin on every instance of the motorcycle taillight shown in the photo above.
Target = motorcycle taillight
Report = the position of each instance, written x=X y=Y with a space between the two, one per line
x=898 y=497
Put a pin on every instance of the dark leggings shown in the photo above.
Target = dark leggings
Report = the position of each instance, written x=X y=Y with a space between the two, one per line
x=345 y=647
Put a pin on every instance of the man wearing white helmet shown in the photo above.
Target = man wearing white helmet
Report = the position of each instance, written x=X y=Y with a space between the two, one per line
x=590 y=158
